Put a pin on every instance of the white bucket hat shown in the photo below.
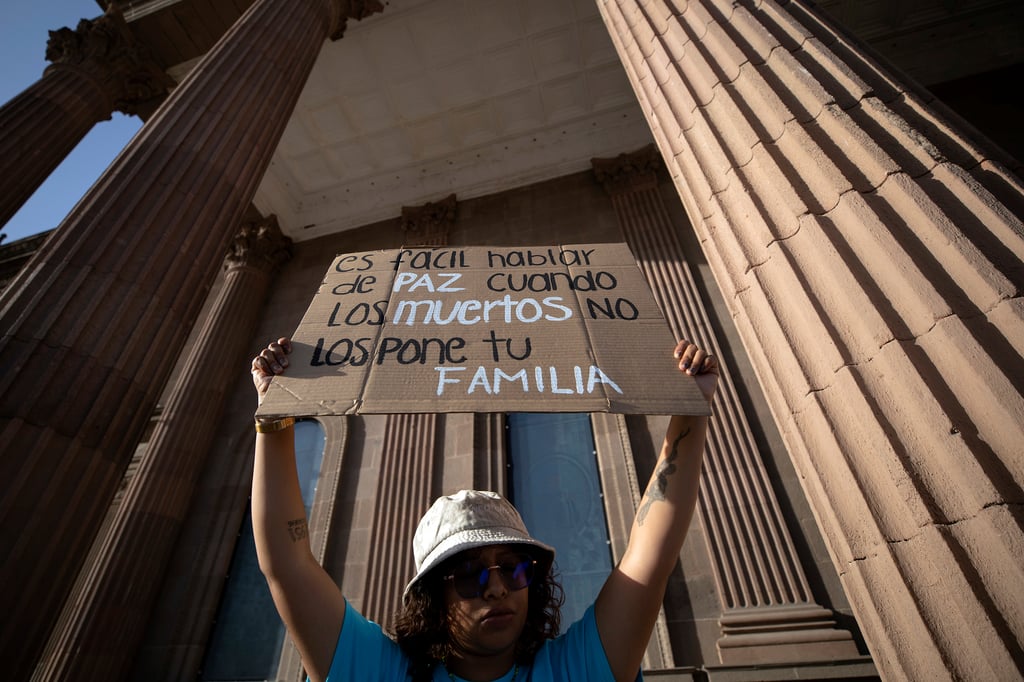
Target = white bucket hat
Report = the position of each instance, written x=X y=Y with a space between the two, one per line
x=465 y=520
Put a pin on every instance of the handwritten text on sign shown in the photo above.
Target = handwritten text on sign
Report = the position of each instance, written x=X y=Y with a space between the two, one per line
x=483 y=329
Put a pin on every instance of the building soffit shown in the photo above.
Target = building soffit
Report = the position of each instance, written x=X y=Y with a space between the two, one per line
x=428 y=98
x=432 y=97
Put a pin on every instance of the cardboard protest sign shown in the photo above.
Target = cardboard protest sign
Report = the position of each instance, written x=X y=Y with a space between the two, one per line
x=483 y=329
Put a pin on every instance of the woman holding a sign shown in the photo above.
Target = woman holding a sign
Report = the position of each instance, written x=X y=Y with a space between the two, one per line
x=483 y=605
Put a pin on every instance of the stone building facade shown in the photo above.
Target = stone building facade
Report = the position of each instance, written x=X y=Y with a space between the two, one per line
x=850 y=246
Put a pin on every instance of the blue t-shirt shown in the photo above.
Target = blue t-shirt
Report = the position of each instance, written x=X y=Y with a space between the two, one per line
x=364 y=652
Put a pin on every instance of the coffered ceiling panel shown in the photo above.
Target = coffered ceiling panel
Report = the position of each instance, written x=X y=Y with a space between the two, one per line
x=519 y=111
x=465 y=96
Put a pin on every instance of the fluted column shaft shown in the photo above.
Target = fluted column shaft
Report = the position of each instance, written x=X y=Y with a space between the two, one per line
x=102 y=625
x=769 y=613
x=404 y=493
x=872 y=261
x=39 y=128
x=92 y=330
x=97 y=69
x=405 y=489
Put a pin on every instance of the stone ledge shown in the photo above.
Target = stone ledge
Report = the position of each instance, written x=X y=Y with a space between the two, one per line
x=858 y=668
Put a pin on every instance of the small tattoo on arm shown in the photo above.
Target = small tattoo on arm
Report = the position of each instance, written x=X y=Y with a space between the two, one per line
x=656 y=490
x=298 y=530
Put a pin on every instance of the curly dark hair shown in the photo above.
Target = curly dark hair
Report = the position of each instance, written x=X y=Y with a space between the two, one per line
x=422 y=627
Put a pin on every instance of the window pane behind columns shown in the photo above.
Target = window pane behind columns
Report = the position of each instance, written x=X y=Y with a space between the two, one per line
x=556 y=488
x=248 y=634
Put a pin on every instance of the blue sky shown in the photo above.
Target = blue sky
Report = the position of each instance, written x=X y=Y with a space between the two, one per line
x=23 y=35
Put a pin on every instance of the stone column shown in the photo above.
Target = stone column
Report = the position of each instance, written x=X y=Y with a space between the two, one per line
x=102 y=624
x=96 y=69
x=406 y=485
x=768 y=612
x=404 y=492
x=92 y=330
x=871 y=258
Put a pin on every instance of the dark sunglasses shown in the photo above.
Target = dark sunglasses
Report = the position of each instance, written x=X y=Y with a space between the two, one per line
x=470 y=578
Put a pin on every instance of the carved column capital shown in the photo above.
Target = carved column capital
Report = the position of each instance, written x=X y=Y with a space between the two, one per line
x=104 y=50
x=629 y=172
x=259 y=245
x=343 y=10
x=428 y=225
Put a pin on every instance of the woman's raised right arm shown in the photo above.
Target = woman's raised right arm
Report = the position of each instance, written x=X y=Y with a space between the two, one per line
x=309 y=602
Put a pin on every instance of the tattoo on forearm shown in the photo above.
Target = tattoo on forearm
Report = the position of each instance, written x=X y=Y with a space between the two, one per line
x=656 y=490
x=298 y=530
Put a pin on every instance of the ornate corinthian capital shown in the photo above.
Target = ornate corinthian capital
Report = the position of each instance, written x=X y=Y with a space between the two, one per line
x=105 y=50
x=260 y=245
x=343 y=10
x=630 y=171
x=428 y=225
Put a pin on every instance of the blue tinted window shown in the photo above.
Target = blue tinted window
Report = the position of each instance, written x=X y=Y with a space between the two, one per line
x=556 y=487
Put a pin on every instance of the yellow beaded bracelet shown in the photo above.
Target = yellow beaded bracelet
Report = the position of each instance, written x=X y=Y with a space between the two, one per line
x=274 y=426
